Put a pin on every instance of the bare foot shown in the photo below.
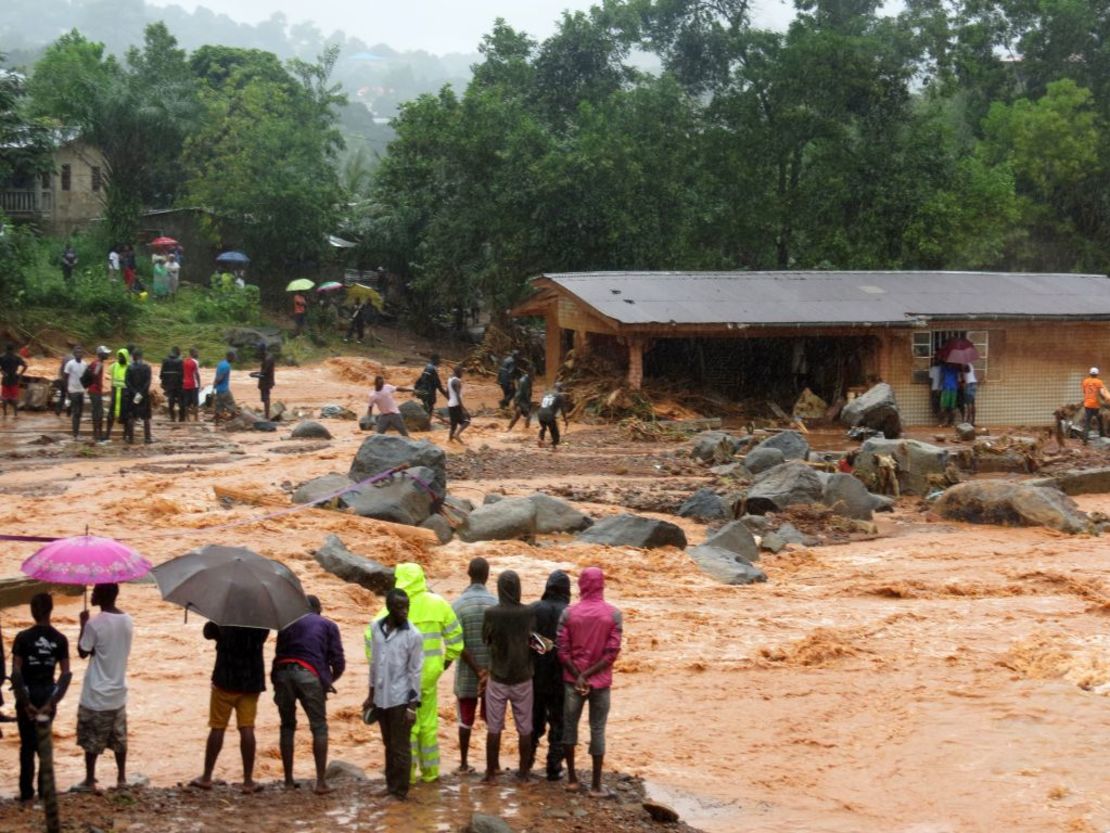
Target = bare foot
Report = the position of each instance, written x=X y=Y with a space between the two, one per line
x=602 y=793
x=571 y=786
x=251 y=787
x=323 y=788
x=200 y=783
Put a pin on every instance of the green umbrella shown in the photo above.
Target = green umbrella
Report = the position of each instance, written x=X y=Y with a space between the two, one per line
x=299 y=285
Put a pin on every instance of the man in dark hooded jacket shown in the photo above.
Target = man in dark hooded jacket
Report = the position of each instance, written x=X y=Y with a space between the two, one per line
x=507 y=629
x=547 y=681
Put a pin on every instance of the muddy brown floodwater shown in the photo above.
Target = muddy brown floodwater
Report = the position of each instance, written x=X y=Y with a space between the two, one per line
x=938 y=679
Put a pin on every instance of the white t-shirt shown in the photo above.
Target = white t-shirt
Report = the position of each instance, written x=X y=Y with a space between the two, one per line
x=383 y=400
x=113 y=261
x=74 y=370
x=109 y=636
x=174 y=269
x=454 y=396
x=969 y=376
x=934 y=377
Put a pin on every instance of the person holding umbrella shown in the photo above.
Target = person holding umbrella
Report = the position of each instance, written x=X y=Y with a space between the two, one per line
x=102 y=710
x=238 y=677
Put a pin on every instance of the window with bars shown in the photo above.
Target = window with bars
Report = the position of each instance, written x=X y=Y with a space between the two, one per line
x=926 y=343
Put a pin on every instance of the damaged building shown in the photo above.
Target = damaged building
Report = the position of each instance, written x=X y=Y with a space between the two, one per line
x=770 y=335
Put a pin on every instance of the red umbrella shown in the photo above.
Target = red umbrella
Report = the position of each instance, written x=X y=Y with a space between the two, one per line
x=163 y=242
x=959 y=351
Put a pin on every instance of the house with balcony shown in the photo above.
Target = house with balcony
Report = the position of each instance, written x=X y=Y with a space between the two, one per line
x=65 y=199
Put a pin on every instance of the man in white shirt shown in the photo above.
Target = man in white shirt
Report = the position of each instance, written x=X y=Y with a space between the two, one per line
x=113 y=264
x=74 y=371
x=456 y=411
x=389 y=415
x=102 y=711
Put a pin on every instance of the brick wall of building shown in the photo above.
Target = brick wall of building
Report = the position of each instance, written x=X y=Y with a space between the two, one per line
x=1031 y=370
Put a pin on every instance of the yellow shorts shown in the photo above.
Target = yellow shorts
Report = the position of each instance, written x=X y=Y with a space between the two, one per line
x=223 y=702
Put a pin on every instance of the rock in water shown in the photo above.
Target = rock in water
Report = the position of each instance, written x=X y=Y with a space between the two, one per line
x=737 y=538
x=846 y=495
x=318 y=487
x=555 y=515
x=415 y=417
x=248 y=339
x=382 y=452
x=783 y=486
x=438 y=524
x=1007 y=503
x=792 y=444
x=480 y=823
x=760 y=459
x=344 y=771
x=660 y=812
x=875 y=409
x=634 y=531
x=366 y=422
x=309 y=430
x=502 y=521
x=704 y=504
x=334 y=557
x=724 y=566
x=400 y=499
x=916 y=461
x=337 y=412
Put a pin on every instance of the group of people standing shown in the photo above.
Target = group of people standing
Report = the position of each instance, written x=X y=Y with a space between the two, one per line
x=165 y=270
x=953 y=389
x=547 y=662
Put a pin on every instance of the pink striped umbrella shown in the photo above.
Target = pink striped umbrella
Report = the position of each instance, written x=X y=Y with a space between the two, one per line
x=85 y=559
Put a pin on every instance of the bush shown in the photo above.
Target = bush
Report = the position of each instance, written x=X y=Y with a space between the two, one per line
x=230 y=304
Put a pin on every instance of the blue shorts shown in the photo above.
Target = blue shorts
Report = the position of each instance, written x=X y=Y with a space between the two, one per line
x=969 y=392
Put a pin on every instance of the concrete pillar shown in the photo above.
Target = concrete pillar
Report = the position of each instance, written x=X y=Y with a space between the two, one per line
x=635 y=363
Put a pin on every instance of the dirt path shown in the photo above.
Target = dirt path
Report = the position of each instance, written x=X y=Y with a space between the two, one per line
x=940 y=678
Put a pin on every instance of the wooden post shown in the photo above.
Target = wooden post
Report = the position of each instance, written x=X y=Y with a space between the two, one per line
x=553 y=342
x=635 y=362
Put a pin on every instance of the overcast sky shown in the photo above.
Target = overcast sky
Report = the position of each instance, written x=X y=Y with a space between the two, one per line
x=438 y=26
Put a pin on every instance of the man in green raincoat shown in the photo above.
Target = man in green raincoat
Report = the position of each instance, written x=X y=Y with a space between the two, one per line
x=443 y=644
x=117 y=410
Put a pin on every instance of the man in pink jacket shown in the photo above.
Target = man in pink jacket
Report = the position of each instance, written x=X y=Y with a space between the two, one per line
x=588 y=642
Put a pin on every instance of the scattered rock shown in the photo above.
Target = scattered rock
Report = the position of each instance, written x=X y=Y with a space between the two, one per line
x=277 y=411
x=704 y=504
x=480 y=823
x=875 y=409
x=634 y=531
x=714 y=447
x=246 y=340
x=660 y=812
x=334 y=557
x=725 y=566
x=492 y=497
x=792 y=535
x=438 y=524
x=759 y=459
x=555 y=515
x=810 y=406
x=382 y=452
x=1006 y=503
x=415 y=417
x=367 y=422
x=772 y=542
x=309 y=430
x=859 y=433
x=1089 y=482
x=737 y=538
x=318 y=487
x=726 y=470
x=501 y=521
x=344 y=771
x=846 y=495
x=783 y=486
x=916 y=461
x=792 y=444
x=965 y=432
x=337 y=412
x=399 y=499
x=460 y=504
x=882 y=503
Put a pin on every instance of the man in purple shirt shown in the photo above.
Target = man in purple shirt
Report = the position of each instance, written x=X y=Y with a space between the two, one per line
x=308 y=659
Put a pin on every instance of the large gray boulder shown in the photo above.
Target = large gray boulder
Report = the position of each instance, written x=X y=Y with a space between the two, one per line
x=439 y=525
x=309 y=430
x=415 y=417
x=505 y=520
x=846 y=495
x=246 y=340
x=382 y=452
x=334 y=557
x=399 y=499
x=783 y=486
x=1006 y=503
x=875 y=409
x=725 y=566
x=916 y=461
x=760 y=459
x=634 y=531
x=319 y=487
x=704 y=504
x=1086 y=482
x=737 y=538
x=555 y=515
x=792 y=444
x=714 y=446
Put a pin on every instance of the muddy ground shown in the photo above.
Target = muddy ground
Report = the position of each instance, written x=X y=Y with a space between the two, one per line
x=933 y=679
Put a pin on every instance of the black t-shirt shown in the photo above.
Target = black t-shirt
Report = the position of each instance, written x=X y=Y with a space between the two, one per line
x=41 y=648
x=507 y=628
x=239 y=664
x=9 y=369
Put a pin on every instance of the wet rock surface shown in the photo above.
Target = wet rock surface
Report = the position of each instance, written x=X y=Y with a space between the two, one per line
x=876 y=409
x=1006 y=503
x=334 y=557
x=634 y=531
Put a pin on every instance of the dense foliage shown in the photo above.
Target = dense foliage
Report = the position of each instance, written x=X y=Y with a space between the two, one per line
x=962 y=136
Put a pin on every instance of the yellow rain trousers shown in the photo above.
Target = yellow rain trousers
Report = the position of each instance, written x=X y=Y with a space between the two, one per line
x=443 y=642
x=119 y=371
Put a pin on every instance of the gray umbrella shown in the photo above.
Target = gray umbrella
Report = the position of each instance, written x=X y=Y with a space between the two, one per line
x=233 y=586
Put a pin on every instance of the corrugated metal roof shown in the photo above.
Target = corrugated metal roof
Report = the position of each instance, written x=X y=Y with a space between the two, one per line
x=769 y=298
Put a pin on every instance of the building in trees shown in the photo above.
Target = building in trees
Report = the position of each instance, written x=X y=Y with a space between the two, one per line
x=63 y=199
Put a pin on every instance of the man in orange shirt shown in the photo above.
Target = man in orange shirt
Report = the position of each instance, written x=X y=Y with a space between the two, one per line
x=300 y=308
x=1094 y=394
